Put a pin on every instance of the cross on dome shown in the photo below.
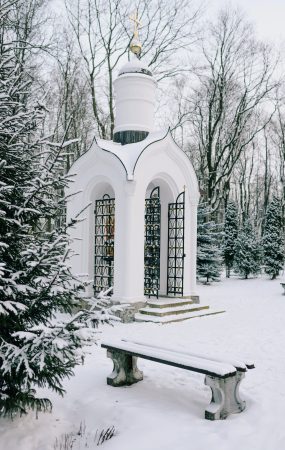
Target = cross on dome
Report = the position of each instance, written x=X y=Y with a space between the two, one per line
x=135 y=45
x=137 y=24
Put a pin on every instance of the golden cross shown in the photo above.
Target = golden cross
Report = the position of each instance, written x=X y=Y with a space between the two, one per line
x=137 y=24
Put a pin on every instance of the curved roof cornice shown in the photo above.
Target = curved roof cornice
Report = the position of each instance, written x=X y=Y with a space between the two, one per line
x=129 y=154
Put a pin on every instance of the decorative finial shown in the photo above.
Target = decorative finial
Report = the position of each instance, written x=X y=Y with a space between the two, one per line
x=135 y=45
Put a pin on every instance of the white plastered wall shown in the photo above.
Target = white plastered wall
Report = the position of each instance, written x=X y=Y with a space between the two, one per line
x=135 y=102
x=99 y=172
x=96 y=173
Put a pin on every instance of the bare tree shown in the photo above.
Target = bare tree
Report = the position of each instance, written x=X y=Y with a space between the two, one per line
x=278 y=141
x=278 y=138
x=68 y=99
x=255 y=178
x=26 y=30
x=226 y=109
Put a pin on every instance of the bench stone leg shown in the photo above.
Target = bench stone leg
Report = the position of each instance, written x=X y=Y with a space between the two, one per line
x=125 y=371
x=225 y=396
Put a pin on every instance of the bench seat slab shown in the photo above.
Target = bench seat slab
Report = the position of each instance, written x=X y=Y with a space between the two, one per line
x=125 y=371
x=225 y=396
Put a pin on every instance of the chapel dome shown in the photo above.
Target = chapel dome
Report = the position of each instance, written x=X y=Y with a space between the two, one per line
x=135 y=66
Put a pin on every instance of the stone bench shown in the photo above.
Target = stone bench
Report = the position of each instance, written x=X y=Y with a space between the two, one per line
x=223 y=376
x=283 y=285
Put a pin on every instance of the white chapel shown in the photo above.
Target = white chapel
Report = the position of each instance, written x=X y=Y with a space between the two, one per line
x=138 y=235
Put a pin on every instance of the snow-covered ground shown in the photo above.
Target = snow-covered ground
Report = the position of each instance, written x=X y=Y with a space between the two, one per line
x=166 y=410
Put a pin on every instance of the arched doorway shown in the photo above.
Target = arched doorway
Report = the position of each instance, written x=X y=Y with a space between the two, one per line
x=176 y=255
x=162 y=228
x=164 y=240
x=104 y=221
x=152 y=243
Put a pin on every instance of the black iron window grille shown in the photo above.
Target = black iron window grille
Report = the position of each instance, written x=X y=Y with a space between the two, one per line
x=175 y=266
x=152 y=244
x=104 y=243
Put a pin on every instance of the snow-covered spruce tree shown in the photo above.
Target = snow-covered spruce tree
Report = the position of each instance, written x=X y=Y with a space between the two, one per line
x=37 y=348
x=209 y=259
x=230 y=235
x=273 y=239
x=247 y=251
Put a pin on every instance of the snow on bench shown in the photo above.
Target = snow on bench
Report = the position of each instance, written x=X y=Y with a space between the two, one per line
x=223 y=377
x=283 y=285
x=236 y=362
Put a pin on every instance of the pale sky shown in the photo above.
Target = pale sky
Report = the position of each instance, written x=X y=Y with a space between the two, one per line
x=267 y=15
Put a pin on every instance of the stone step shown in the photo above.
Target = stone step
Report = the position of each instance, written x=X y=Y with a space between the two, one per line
x=174 y=317
x=171 y=310
x=168 y=303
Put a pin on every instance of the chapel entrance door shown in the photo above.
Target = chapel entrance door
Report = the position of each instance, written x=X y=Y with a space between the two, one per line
x=152 y=244
x=104 y=243
x=175 y=265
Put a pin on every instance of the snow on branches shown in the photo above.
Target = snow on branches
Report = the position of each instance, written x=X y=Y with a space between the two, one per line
x=41 y=339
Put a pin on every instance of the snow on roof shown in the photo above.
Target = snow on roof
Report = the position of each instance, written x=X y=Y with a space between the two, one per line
x=135 y=66
x=129 y=154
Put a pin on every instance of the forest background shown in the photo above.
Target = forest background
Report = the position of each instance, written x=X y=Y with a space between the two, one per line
x=221 y=88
